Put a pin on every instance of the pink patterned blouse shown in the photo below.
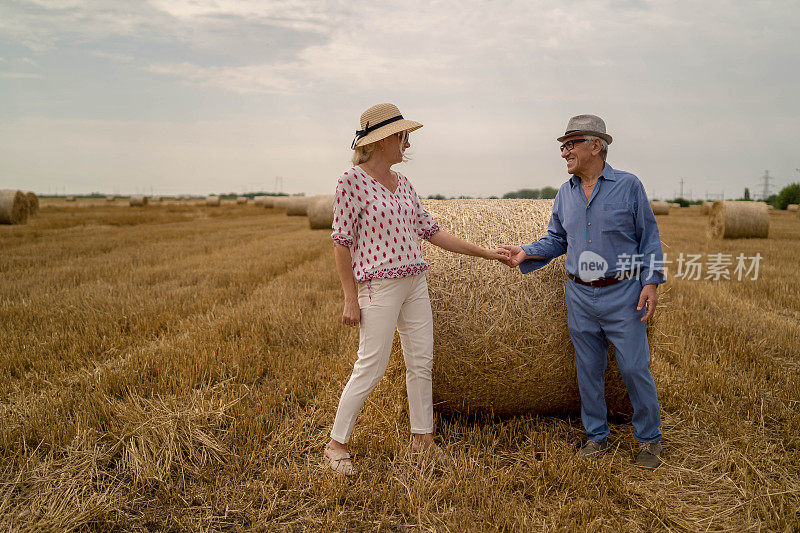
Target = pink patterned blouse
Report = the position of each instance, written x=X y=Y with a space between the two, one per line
x=381 y=228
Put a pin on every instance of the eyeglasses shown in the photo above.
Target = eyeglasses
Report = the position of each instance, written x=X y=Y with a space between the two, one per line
x=569 y=145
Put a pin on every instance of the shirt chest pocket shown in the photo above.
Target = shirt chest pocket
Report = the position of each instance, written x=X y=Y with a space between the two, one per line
x=618 y=217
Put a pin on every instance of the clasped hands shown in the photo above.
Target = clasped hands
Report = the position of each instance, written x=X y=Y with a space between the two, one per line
x=509 y=255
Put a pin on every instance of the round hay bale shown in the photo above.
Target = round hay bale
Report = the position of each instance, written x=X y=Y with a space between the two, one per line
x=320 y=212
x=297 y=206
x=138 y=200
x=212 y=201
x=792 y=208
x=154 y=199
x=736 y=220
x=706 y=208
x=26 y=203
x=241 y=200
x=259 y=200
x=501 y=342
x=660 y=208
x=33 y=203
x=110 y=198
x=675 y=204
x=70 y=199
x=13 y=207
x=280 y=202
x=269 y=202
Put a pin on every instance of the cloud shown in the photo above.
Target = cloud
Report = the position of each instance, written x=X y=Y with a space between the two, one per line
x=21 y=75
x=336 y=65
x=295 y=14
x=492 y=81
x=113 y=56
x=171 y=157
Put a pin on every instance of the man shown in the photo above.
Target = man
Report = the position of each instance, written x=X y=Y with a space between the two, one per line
x=603 y=221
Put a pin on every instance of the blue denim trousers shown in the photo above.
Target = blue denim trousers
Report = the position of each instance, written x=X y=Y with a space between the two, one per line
x=597 y=315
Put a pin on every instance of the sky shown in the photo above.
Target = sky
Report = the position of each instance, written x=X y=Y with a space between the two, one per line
x=207 y=96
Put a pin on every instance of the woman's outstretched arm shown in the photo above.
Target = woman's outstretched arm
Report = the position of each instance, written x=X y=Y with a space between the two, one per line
x=449 y=242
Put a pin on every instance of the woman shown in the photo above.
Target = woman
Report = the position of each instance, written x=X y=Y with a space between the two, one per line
x=378 y=220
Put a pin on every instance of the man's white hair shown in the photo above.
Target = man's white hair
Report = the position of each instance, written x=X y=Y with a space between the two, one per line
x=603 y=145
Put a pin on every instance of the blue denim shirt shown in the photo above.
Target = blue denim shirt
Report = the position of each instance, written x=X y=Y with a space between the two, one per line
x=617 y=223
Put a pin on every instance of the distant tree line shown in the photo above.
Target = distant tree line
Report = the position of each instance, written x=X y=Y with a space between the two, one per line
x=788 y=195
x=544 y=193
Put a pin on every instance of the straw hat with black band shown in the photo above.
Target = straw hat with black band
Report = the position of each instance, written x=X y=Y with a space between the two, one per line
x=379 y=122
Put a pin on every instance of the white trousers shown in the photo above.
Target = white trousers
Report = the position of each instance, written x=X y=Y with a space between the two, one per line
x=389 y=304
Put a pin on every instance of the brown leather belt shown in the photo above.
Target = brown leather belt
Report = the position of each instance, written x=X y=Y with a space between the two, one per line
x=602 y=282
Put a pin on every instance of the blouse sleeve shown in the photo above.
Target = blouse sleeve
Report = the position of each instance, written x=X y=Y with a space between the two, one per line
x=425 y=225
x=347 y=203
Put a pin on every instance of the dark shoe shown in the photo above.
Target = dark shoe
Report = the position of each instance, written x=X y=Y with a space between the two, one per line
x=592 y=449
x=649 y=455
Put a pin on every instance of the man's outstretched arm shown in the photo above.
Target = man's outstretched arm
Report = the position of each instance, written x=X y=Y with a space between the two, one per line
x=534 y=256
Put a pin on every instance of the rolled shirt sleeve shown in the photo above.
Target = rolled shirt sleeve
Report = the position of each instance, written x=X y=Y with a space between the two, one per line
x=649 y=239
x=424 y=224
x=346 y=209
x=551 y=245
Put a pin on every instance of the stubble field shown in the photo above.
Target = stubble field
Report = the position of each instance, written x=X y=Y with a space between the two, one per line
x=178 y=367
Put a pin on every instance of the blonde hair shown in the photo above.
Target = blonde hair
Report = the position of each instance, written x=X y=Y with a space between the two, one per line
x=361 y=154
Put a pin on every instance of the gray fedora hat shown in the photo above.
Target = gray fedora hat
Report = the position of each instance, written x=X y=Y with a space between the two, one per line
x=586 y=125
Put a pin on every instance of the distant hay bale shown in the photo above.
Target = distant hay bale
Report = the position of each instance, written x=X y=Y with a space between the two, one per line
x=138 y=200
x=70 y=199
x=110 y=198
x=154 y=199
x=660 y=208
x=260 y=200
x=241 y=200
x=320 y=212
x=502 y=345
x=280 y=202
x=736 y=220
x=792 y=207
x=269 y=202
x=706 y=208
x=33 y=203
x=297 y=206
x=212 y=201
x=675 y=204
x=13 y=207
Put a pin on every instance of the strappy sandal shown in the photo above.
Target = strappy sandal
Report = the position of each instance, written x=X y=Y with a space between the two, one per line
x=339 y=462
